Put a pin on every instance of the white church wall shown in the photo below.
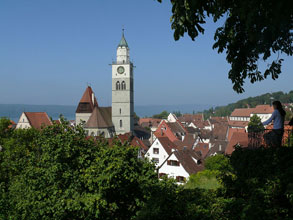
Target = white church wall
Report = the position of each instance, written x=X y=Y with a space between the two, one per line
x=23 y=122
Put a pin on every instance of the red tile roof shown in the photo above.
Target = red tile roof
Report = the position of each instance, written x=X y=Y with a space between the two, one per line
x=167 y=144
x=190 y=117
x=242 y=112
x=147 y=122
x=237 y=138
x=246 y=112
x=203 y=148
x=185 y=157
x=233 y=130
x=238 y=124
x=38 y=119
x=263 y=109
x=87 y=103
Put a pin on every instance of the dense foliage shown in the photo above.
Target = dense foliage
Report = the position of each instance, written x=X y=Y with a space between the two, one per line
x=58 y=173
x=162 y=115
x=251 y=102
x=255 y=124
x=253 y=30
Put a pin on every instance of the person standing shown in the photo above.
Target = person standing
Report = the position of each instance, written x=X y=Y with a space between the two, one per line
x=274 y=137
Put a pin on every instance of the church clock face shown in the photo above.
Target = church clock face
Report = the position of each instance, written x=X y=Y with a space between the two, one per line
x=120 y=69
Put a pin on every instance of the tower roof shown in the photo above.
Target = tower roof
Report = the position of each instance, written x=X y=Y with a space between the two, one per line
x=123 y=42
x=100 y=118
x=87 y=102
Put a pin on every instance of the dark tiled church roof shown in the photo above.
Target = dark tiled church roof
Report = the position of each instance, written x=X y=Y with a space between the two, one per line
x=100 y=118
x=87 y=103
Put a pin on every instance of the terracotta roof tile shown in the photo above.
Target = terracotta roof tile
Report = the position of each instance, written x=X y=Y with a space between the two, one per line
x=167 y=144
x=187 y=118
x=203 y=148
x=38 y=119
x=87 y=102
x=263 y=109
x=238 y=124
x=242 y=112
x=185 y=157
x=237 y=138
x=147 y=122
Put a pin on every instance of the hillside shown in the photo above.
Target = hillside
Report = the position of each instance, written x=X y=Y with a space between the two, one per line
x=250 y=102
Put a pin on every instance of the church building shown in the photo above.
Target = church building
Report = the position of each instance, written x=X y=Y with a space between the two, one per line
x=118 y=119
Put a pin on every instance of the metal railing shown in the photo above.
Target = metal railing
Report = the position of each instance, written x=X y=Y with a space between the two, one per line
x=268 y=138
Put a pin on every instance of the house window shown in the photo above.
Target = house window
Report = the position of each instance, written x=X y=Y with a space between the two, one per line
x=120 y=111
x=180 y=179
x=173 y=163
x=117 y=85
x=162 y=174
x=123 y=85
x=155 y=160
x=121 y=125
x=156 y=150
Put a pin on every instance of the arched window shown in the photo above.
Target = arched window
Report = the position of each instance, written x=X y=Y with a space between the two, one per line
x=123 y=85
x=121 y=124
x=117 y=85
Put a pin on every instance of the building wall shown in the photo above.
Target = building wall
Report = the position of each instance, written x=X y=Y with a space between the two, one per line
x=79 y=117
x=263 y=117
x=123 y=100
x=162 y=153
x=173 y=171
x=23 y=122
x=108 y=133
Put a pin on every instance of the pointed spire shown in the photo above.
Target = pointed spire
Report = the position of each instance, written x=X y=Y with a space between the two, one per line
x=123 y=42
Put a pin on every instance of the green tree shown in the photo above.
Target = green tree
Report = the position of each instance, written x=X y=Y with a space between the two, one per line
x=255 y=124
x=260 y=186
x=58 y=173
x=162 y=115
x=252 y=31
x=206 y=179
x=177 y=113
x=219 y=163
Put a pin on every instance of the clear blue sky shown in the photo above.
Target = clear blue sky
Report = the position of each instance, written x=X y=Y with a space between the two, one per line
x=50 y=49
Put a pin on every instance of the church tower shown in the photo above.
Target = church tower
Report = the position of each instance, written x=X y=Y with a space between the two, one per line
x=122 y=90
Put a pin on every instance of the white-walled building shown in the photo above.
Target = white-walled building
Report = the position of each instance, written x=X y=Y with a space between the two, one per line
x=160 y=149
x=35 y=120
x=181 y=164
x=244 y=114
x=122 y=90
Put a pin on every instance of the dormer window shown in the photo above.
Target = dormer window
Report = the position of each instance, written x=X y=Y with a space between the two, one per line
x=173 y=163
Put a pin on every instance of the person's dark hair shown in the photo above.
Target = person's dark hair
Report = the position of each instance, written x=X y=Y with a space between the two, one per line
x=279 y=107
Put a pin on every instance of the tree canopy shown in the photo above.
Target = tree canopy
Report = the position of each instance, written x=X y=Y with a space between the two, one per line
x=60 y=173
x=255 y=124
x=253 y=30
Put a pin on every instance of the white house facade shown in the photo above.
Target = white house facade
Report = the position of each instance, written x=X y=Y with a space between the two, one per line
x=160 y=150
